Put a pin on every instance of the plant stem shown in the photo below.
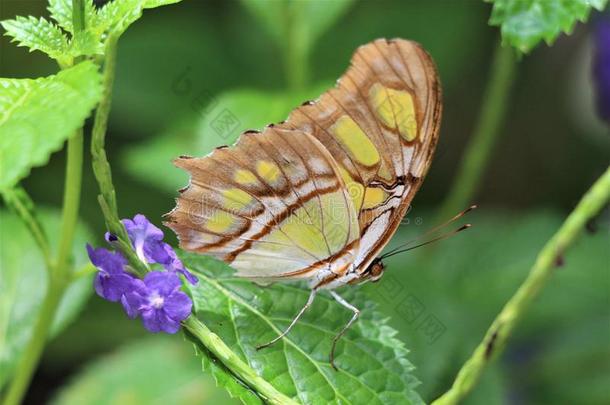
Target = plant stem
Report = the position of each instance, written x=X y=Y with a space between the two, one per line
x=20 y=202
x=71 y=203
x=493 y=110
x=101 y=167
x=59 y=271
x=58 y=274
x=236 y=365
x=32 y=352
x=108 y=203
x=78 y=15
x=495 y=339
x=295 y=46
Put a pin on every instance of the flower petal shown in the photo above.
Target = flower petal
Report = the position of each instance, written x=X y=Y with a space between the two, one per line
x=601 y=66
x=104 y=259
x=175 y=265
x=135 y=300
x=167 y=324
x=112 y=286
x=151 y=320
x=178 y=306
x=162 y=282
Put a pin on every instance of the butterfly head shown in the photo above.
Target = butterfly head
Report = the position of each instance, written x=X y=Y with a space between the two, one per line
x=374 y=271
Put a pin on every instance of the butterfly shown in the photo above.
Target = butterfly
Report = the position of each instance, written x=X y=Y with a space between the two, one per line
x=318 y=196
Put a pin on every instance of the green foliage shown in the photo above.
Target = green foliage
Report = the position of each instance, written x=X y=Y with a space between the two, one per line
x=117 y=15
x=222 y=120
x=153 y=370
x=524 y=23
x=38 y=34
x=372 y=362
x=23 y=282
x=37 y=116
x=41 y=34
x=310 y=19
x=463 y=283
x=61 y=11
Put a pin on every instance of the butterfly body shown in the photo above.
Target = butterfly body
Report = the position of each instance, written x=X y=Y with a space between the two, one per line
x=318 y=196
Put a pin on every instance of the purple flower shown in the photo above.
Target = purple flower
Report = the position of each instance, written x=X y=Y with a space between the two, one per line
x=601 y=66
x=159 y=301
x=111 y=281
x=147 y=239
x=173 y=264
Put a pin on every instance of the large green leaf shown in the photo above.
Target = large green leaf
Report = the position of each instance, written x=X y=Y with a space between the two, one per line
x=153 y=370
x=23 y=281
x=443 y=298
x=524 y=23
x=222 y=120
x=372 y=362
x=37 y=116
x=38 y=34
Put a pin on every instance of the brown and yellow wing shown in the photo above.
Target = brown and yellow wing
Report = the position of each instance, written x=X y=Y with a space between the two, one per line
x=273 y=206
x=381 y=124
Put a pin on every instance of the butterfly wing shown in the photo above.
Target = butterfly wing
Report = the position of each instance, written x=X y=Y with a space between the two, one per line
x=380 y=123
x=273 y=206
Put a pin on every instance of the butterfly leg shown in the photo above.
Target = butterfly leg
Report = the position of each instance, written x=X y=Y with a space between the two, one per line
x=312 y=295
x=356 y=312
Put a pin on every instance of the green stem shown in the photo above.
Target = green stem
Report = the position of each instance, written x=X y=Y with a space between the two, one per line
x=478 y=151
x=495 y=339
x=74 y=172
x=20 y=202
x=32 y=352
x=58 y=272
x=108 y=203
x=101 y=166
x=237 y=366
x=295 y=47
x=78 y=15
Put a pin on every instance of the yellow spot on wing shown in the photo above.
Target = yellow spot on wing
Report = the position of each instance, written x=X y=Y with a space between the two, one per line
x=396 y=109
x=374 y=197
x=236 y=198
x=267 y=170
x=354 y=189
x=355 y=141
x=245 y=177
x=220 y=222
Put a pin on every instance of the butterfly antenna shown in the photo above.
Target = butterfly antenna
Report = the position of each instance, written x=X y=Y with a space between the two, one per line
x=438 y=238
x=431 y=231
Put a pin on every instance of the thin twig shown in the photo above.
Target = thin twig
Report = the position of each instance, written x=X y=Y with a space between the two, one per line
x=500 y=330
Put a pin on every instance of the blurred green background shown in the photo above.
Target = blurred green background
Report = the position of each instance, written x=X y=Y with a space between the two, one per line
x=180 y=67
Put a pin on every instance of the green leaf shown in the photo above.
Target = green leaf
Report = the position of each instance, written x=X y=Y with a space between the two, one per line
x=309 y=19
x=61 y=11
x=37 y=116
x=23 y=280
x=460 y=284
x=153 y=370
x=372 y=362
x=223 y=119
x=225 y=379
x=524 y=23
x=37 y=34
x=117 y=15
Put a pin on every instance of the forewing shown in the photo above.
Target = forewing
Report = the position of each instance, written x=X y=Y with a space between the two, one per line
x=381 y=124
x=272 y=206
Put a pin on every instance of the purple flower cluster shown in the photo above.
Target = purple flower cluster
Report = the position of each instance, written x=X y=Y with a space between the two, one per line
x=157 y=298
x=601 y=66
